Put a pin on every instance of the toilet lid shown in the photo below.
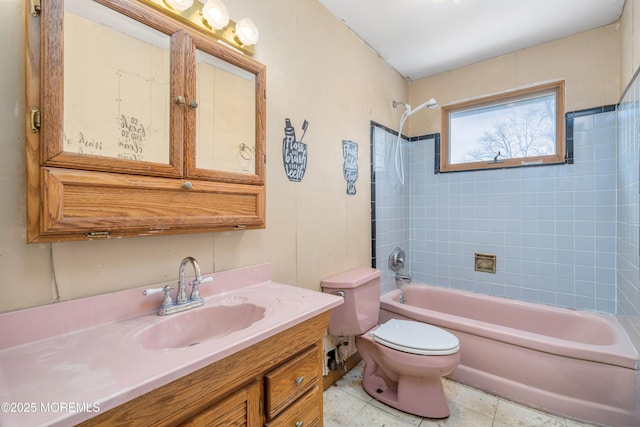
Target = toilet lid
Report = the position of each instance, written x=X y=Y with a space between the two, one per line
x=416 y=338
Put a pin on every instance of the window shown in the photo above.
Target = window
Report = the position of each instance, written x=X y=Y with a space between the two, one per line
x=519 y=128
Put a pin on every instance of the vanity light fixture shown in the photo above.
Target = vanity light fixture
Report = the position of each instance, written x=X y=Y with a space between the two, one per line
x=212 y=16
x=216 y=14
x=179 y=5
x=247 y=32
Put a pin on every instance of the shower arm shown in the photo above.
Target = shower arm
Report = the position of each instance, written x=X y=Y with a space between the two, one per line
x=408 y=112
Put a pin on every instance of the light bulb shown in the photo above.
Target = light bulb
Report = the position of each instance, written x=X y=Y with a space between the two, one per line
x=179 y=5
x=216 y=14
x=247 y=32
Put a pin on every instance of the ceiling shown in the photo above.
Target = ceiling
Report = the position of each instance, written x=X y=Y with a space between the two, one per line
x=420 y=38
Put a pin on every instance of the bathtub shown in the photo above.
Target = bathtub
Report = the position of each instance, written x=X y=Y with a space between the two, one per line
x=571 y=363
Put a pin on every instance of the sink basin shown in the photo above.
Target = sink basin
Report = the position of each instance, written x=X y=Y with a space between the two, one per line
x=193 y=327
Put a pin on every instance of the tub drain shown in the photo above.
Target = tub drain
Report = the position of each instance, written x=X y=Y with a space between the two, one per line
x=379 y=391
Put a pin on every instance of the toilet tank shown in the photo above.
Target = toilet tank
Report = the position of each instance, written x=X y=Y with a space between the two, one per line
x=361 y=307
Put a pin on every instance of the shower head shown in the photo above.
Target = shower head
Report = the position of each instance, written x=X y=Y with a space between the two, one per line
x=432 y=103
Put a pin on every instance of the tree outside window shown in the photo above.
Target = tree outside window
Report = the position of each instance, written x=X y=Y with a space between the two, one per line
x=507 y=130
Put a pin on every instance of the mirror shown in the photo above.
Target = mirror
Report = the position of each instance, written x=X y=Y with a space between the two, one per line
x=225 y=118
x=116 y=85
x=143 y=94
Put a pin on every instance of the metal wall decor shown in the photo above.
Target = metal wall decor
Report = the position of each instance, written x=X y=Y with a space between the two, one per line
x=350 y=165
x=294 y=153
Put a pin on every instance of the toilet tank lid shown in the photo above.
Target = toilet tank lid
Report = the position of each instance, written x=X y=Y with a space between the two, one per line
x=351 y=278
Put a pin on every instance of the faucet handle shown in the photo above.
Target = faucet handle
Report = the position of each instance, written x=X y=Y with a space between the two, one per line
x=166 y=289
x=167 y=301
x=195 y=292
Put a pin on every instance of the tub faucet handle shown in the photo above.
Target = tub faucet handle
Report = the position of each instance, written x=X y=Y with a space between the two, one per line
x=396 y=260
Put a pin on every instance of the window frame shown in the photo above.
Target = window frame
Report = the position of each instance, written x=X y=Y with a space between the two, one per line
x=556 y=87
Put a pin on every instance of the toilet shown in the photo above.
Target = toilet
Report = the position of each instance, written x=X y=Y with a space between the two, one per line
x=404 y=359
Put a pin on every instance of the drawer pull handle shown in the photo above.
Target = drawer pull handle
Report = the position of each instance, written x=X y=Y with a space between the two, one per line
x=299 y=423
x=299 y=380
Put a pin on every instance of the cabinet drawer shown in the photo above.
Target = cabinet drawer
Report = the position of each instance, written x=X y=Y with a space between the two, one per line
x=305 y=412
x=290 y=380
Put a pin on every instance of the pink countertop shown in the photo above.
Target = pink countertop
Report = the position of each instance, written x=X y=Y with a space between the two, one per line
x=63 y=363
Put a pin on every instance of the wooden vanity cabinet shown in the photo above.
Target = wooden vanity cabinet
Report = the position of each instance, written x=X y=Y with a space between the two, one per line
x=257 y=386
x=87 y=174
x=242 y=408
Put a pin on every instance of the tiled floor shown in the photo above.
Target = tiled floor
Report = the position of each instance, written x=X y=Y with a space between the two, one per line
x=347 y=404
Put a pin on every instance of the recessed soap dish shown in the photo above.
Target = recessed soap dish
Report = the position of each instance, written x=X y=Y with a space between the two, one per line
x=485 y=263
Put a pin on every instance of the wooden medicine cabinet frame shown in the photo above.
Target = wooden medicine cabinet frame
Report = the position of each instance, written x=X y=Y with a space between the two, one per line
x=73 y=196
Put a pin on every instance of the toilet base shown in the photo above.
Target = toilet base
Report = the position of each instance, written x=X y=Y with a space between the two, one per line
x=404 y=381
x=409 y=398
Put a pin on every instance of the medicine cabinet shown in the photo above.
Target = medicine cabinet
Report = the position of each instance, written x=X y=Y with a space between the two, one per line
x=138 y=123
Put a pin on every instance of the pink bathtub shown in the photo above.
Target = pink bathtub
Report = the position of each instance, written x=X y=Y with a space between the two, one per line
x=571 y=363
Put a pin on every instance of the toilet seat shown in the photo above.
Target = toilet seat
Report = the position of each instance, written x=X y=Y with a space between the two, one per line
x=416 y=338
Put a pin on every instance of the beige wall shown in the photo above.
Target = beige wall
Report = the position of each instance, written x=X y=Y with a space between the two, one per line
x=629 y=42
x=316 y=70
x=588 y=62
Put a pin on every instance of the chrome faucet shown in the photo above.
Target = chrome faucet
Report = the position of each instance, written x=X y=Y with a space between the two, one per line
x=182 y=302
x=181 y=297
